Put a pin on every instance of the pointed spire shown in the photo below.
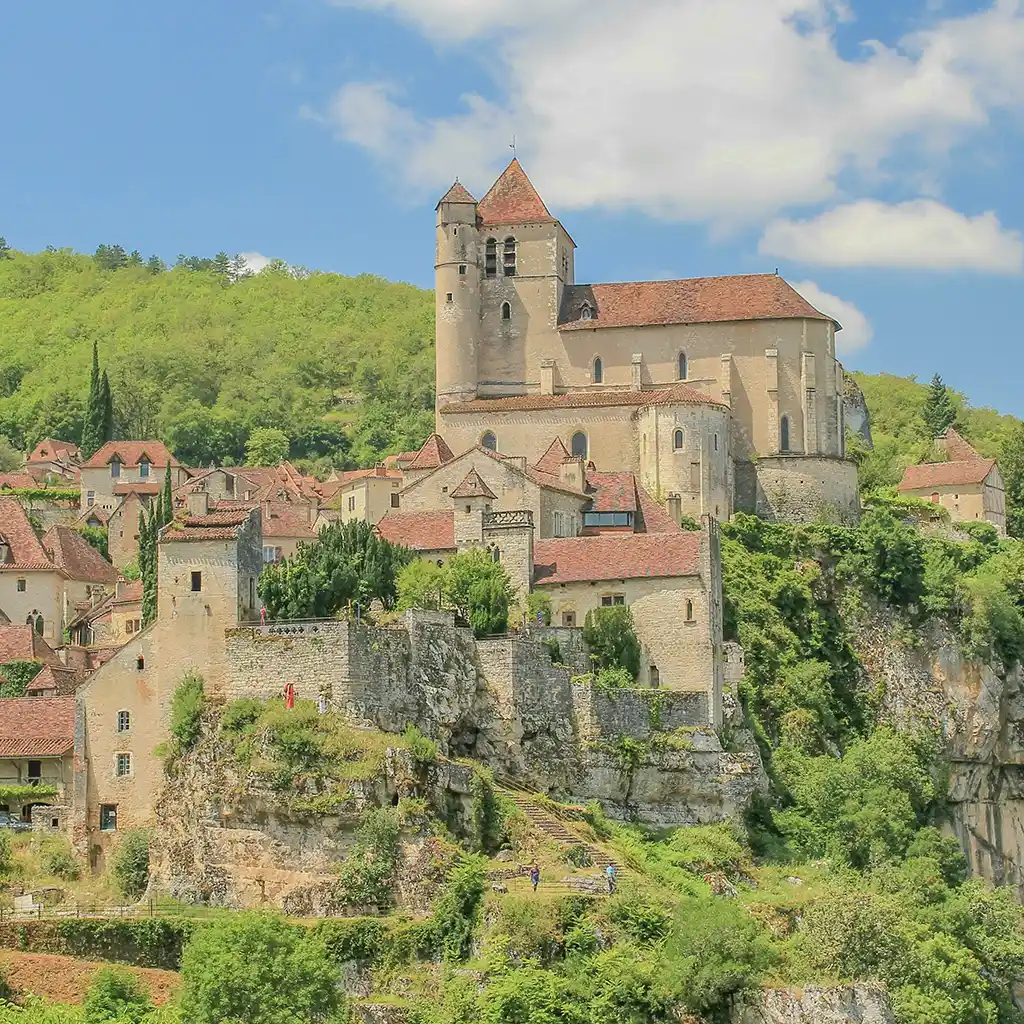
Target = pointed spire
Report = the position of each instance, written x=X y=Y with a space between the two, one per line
x=458 y=193
x=551 y=461
x=434 y=453
x=512 y=199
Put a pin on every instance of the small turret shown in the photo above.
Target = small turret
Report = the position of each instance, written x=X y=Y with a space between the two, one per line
x=457 y=296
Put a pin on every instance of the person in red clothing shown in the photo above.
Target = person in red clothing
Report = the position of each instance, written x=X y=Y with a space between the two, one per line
x=289 y=696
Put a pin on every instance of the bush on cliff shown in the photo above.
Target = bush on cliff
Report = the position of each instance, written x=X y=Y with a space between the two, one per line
x=612 y=640
x=187 y=712
x=479 y=590
x=130 y=864
x=115 y=995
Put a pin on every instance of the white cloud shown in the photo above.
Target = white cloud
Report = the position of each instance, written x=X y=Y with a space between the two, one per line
x=857 y=330
x=720 y=111
x=918 y=234
x=255 y=261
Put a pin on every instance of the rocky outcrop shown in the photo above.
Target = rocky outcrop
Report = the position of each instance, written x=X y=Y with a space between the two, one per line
x=855 y=411
x=979 y=713
x=845 y=1004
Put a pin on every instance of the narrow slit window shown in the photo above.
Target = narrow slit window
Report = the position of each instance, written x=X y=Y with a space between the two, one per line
x=491 y=258
x=506 y=311
x=509 y=257
x=682 y=366
x=598 y=371
x=678 y=440
x=784 y=434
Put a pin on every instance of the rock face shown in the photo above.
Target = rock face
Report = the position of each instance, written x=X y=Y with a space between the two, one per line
x=980 y=715
x=855 y=411
x=847 y=1004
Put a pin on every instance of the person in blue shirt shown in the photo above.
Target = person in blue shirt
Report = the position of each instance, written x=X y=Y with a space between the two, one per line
x=609 y=874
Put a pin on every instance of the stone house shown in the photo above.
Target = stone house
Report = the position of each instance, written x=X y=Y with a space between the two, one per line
x=207 y=567
x=31 y=586
x=23 y=643
x=969 y=486
x=105 y=477
x=53 y=461
x=88 y=576
x=123 y=522
x=37 y=758
x=725 y=390
x=363 y=495
x=114 y=621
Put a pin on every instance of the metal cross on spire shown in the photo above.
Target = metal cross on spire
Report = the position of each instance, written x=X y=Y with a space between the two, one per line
x=512 y=145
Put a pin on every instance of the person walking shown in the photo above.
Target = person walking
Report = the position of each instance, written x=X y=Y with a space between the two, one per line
x=263 y=615
x=321 y=703
x=609 y=874
x=535 y=876
x=289 y=696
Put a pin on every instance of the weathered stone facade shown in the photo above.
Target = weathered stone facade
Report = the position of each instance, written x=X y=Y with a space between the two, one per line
x=786 y=488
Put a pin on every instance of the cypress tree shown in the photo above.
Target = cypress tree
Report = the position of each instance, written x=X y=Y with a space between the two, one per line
x=939 y=411
x=147 y=565
x=166 y=499
x=93 y=426
x=106 y=403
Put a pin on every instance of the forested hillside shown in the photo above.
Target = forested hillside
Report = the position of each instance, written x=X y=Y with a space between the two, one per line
x=200 y=355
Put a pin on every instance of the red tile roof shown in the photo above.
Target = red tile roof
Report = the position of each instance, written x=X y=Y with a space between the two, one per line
x=276 y=482
x=945 y=474
x=15 y=529
x=137 y=487
x=435 y=452
x=100 y=515
x=551 y=461
x=616 y=557
x=52 y=450
x=473 y=487
x=957 y=448
x=678 y=394
x=12 y=481
x=421 y=531
x=285 y=519
x=699 y=300
x=37 y=726
x=512 y=199
x=611 y=492
x=456 y=194
x=220 y=525
x=130 y=593
x=70 y=551
x=653 y=518
x=23 y=643
x=50 y=677
x=130 y=452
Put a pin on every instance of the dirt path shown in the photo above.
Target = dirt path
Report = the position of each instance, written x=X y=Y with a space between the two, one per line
x=63 y=979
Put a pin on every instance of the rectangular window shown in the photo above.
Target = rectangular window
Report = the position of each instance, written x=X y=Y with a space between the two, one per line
x=450 y=297
x=352 y=503
x=124 y=721
x=90 y=499
x=123 y=766
x=115 y=469
x=568 y=619
x=129 y=626
x=108 y=817
x=395 y=498
x=271 y=555
x=22 y=586
x=35 y=771
x=143 y=469
x=607 y=518
x=197 y=582
x=462 y=269
x=612 y=600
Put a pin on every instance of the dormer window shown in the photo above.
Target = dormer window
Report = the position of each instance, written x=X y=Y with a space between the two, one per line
x=115 y=468
x=143 y=468
x=5 y=550
x=586 y=311
x=491 y=258
x=509 y=257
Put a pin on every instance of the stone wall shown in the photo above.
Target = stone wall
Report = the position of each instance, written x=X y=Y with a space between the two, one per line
x=800 y=489
x=841 y=1004
x=636 y=713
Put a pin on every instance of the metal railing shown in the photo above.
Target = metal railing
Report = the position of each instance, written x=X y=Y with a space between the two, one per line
x=149 y=908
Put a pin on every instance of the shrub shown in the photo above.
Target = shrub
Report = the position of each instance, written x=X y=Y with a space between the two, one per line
x=422 y=748
x=457 y=909
x=240 y=715
x=420 y=585
x=611 y=639
x=115 y=995
x=610 y=679
x=6 y=857
x=187 y=711
x=61 y=863
x=366 y=876
x=487 y=816
x=538 y=609
x=16 y=675
x=479 y=589
x=554 y=649
x=130 y=864
x=258 y=969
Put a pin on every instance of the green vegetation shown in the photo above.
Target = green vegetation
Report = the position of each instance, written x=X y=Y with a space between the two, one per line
x=613 y=644
x=187 y=712
x=98 y=426
x=347 y=564
x=367 y=875
x=16 y=675
x=115 y=995
x=202 y=356
x=130 y=865
x=939 y=412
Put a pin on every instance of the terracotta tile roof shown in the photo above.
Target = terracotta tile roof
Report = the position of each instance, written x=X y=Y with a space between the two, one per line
x=52 y=450
x=37 y=726
x=653 y=518
x=678 y=394
x=435 y=452
x=699 y=300
x=276 y=482
x=15 y=529
x=12 y=481
x=102 y=516
x=23 y=643
x=456 y=194
x=551 y=461
x=220 y=525
x=130 y=452
x=421 y=531
x=957 y=447
x=285 y=519
x=611 y=492
x=473 y=487
x=71 y=552
x=616 y=557
x=945 y=474
x=130 y=593
x=61 y=679
x=512 y=199
x=137 y=487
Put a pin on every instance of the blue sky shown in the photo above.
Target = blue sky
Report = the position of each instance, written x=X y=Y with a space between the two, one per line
x=872 y=151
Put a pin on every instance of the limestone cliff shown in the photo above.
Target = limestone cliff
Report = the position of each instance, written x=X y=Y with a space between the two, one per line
x=845 y=1004
x=855 y=411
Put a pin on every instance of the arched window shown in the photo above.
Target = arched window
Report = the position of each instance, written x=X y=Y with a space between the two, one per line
x=598 y=370
x=586 y=312
x=678 y=440
x=935 y=497
x=491 y=258
x=509 y=257
x=579 y=445
x=784 y=434
x=682 y=366
x=489 y=441
x=506 y=311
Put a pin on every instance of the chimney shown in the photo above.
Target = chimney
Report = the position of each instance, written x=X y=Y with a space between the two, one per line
x=636 y=369
x=571 y=474
x=547 y=376
x=675 y=508
x=198 y=503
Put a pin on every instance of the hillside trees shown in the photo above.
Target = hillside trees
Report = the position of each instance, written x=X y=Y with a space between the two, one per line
x=939 y=411
x=99 y=410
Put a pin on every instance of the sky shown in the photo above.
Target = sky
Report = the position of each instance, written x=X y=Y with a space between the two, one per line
x=871 y=150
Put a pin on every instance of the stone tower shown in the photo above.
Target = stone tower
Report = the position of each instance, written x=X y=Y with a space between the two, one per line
x=456 y=296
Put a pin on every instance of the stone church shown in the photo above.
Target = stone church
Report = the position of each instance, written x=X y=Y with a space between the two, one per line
x=724 y=392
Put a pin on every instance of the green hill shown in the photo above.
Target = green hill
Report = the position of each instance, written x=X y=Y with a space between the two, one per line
x=343 y=365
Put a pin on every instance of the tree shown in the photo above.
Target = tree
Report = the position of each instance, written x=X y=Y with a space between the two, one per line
x=155 y=265
x=939 y=412
x=221 y=265
x=167 y=496
x=479 y=589
x=92 y=430
x=5 y=249
x=10 y=457
x=106 y=411
x=111 y=257
x=148 y=564
x=420 y=585
x=117 y=996
x=612 y=640
x=130 y=864
x=258 y=969
x=1011 y=463
x=267 y=446
x=347 y=564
